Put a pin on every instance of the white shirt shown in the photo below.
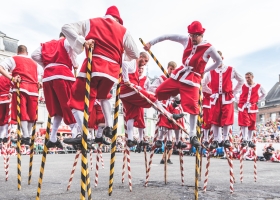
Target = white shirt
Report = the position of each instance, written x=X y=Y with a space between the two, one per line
x=128 y=67
x=184 y=41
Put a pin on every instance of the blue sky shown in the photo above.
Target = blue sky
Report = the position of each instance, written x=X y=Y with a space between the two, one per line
x=247 y=32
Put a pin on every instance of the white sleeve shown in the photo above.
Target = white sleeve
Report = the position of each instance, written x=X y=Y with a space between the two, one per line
x=37 y=56
x=130 y=48
x=8 y=64
x=147 y=84
x=72 y=54
x=216 y=57
x=173 y=37
x=127 y=68
x=154 y=85
x=205 y=82
x=240 y=81
x=76 y=33
x=262 y=93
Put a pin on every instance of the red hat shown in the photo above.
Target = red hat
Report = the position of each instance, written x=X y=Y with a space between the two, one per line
x=196 y=28
x=113 y=10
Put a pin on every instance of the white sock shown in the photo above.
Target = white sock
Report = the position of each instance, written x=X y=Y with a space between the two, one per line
x=159 y=105
x=226 y=131
x=106 y=109
x=29 y=127
x=141 y=133
x=215 y=132
x=244 y=130
x=24 y=127
x=177 y=135
x=169 y=135
x=79 y=117
x=162 y=131
x=56 y=123
x=250 y=135
x=193 y=121
x=206 y=133
x=129 y=126
x=2 y=131
x=75 y=130
x=99 y=132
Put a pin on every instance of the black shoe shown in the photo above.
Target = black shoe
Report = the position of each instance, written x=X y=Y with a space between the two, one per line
x=206 y=144
x=194 y=141
x=101 y=140
x=130 y=143
x=169 y=161
x=57 y=144
x=181 y=145
x=143 y=143
x=214 y=145
x=162 y=161
x=244 y=143
x=73 y=141
x=222 y=143
x=250 y=144
x=168 y=144
x=5 y=140
x=227 y=144
x=107 y=131
x=158 y=143
x=25 y=141
x=177 y=116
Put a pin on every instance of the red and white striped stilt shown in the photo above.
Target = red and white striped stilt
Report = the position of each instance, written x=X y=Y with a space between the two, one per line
x=96 y=166
x=165 y=158
x=8 y=144
x=231 y=164
x=181 y=156
x=101 y=159
x=128 y=168
x=151 y=156
x=4 y=153
x=145 y=156
x=208 y=156
x=255 y=158
x=241 y=158
x=124 y=153
x=73 y=169
x=90 y=157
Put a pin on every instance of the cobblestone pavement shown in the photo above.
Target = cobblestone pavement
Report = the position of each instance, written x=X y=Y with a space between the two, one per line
x=58 y=167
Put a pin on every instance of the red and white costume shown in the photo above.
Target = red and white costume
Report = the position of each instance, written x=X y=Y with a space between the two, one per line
x=248 y=104
x=206 y=105
x=5 y=87
x=57 y=58
x=27 y=69
x=111 y=38
x=186 y=79
x=222 y=94
x=96 y=116
x=132 y=101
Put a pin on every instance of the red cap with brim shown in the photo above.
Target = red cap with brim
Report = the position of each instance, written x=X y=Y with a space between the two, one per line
x=195 y=28
x=113 y=10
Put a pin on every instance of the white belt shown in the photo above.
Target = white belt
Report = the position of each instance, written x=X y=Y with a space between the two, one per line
x=55 y=64
x=247 y=105
x=105 y=58
x=215 y=97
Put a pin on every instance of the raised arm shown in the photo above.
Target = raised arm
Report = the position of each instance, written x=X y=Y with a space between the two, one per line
x=75 y=34
x=130 y=47
x=215 y=56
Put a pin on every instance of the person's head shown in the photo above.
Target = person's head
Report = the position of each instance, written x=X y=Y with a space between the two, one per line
x=22 y=50
x=249 y=76
x=143 y=59
x=114 y=11
x=196 y=31
x=140 y=70
x=171 y=66
x=61 y=35
x=270 y=144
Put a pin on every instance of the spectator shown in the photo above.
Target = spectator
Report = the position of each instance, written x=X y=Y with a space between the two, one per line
x=268 y=152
